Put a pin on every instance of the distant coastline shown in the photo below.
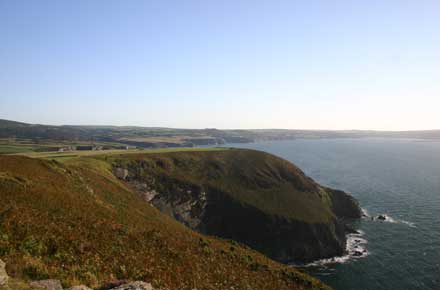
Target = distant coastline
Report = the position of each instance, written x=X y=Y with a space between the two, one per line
x=17 y=137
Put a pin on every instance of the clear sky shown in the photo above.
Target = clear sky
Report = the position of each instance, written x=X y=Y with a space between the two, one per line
x=227 y=63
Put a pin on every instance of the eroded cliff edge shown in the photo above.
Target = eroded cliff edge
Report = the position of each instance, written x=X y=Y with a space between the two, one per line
x=248 y=196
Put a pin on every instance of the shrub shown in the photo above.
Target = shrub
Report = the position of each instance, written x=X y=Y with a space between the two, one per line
x=32 y=246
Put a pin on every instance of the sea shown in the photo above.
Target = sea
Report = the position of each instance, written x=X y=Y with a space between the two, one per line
x=397 y=178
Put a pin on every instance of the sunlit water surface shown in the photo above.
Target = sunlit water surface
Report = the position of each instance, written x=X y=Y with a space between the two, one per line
x=397 y=177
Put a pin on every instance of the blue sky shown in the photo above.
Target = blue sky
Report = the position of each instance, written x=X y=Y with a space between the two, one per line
x=226 y=64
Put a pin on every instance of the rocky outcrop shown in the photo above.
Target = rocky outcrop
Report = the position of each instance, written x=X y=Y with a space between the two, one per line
x=56 y=285
x=138 y=285
x=186 y=203
x=121 y=173
x=49 y=284
x=3 y=275
x=80 y=287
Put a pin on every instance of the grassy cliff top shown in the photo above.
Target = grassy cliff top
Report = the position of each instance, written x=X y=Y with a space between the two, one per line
x=255 y=178
x=76 y=222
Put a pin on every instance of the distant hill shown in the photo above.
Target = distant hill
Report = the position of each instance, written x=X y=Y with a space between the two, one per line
x=151 y=137
x=138 y=136
x=11 y=129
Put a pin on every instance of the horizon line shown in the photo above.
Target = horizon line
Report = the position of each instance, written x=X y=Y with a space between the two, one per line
x=226 y=129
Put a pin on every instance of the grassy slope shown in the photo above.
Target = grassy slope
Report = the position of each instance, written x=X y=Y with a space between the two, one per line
x=262 y=180
x=77 y=223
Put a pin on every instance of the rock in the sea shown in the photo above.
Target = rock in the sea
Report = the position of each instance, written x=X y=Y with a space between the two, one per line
x=80 y=287
x=357 y=253
x=47 y=284
x=3 y=275
x=138 y=285
x=381 y=217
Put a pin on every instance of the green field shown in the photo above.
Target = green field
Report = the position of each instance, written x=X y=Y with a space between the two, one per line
x=49 y=149
x=61 y=156
x=24 y=145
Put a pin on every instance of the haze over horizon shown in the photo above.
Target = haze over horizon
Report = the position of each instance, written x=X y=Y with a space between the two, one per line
x=226 y=64
x=201 y=127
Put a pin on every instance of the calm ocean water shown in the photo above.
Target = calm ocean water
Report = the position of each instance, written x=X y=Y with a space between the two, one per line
x=399 y=178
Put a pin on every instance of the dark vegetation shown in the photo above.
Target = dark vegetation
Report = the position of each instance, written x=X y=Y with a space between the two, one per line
x=77 y=222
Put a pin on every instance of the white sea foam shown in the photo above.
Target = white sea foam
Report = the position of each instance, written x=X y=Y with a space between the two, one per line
x=356 y=244
x=356 y=248
x=365 y=213
x=411 y=224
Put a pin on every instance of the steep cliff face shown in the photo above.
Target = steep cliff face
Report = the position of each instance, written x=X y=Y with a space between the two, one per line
x=252 y=197
x=344 y=206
